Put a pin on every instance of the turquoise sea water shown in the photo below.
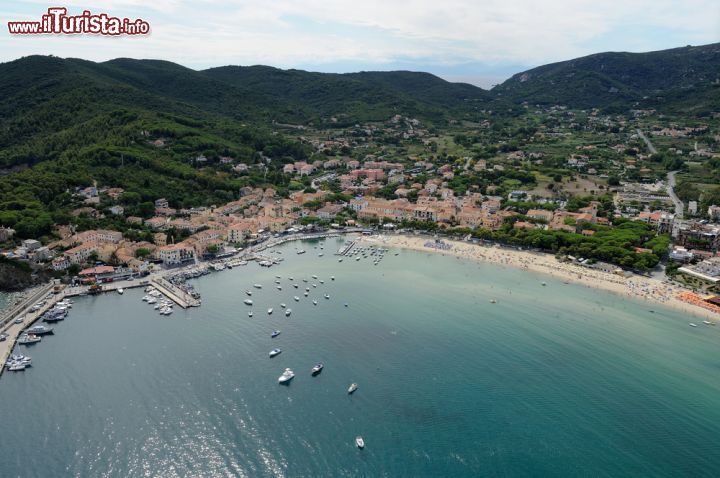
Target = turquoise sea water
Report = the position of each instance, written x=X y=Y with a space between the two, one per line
x=549 y=381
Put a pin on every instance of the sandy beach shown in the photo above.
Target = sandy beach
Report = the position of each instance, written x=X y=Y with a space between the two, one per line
x=647 y=289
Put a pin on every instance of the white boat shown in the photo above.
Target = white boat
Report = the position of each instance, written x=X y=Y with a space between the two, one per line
x=332 y=277
x=151 y=300
x=314 y=285
x=275 y=352
x=248 y=302
x=295 y=285
x=121 y=291
x=28 y=339
x=360 y=442
x=283 y=305
x=322 y=281
x=314 y=302
x=286 y=376
x=307 y=289
x=277 y=281
x=306 y=294
x=692 y=325
x=248 y=292
x=317 y=368
x=707 y=322
x=320 y=255
x=314 y=277
x=297 y=299
x=301 y=251
x=327 y=296
x=270 y=310
x=257 y=286
x=16 y=367
x=288 y=312
x=279 y=287
x=352 y=388
x=250 y=314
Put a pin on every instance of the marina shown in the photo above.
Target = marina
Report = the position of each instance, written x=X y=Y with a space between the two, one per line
x=210 y=365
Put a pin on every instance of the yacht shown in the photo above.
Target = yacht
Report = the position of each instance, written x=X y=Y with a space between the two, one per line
x=275 y=352
x=29 y=339
x=257 y=286
x=248 y=292
x=288 y=312
x=286 y=376
x=317 y=368
x=121 y=291
x=16 y=367
x=270 y=311
x=274 y=334
x=248 y=302
x=360 y=442
x=352 y=388
x=39 y=330
x=297 y=299
x=151 y=300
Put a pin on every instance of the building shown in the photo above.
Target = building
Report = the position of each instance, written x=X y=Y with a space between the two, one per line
x=31 y=244
x=161 y=203
x=80 y=254
x=175 y=254
x=6 y=233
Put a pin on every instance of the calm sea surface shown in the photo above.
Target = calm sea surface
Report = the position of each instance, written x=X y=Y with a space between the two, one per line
x=549 y=381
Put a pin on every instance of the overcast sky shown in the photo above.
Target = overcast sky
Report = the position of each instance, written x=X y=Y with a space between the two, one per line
x=478 y=41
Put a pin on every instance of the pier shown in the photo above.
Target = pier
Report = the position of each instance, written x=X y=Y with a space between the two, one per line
x=346 y=248
x=13 y=330
x=177 y=295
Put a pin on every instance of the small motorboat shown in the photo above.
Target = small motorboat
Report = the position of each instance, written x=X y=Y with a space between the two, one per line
x=275 y=352
x=279 y=287
x=327 y=296
x=288 y=312
x=295 y=285
x=332 y=277
x=314 y=302
x=274 y=334
x=121 y=291
x=270 y=311
x=29 y=339
x=352 y=388
x=297 y=299
x=257 y=286
x=692 y=325
x=283 y=305
x=286 y=376
x=360 y=442
x=346 y=304
x=250 y=314
x=248 y=302
x=306 y=294
x=248 y=292
x=317 y=368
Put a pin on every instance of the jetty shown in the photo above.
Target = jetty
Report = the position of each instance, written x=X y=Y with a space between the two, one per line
x=346 y=248
x=174 y=293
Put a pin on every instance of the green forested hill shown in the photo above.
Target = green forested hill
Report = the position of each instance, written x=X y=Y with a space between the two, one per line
x=681 y=79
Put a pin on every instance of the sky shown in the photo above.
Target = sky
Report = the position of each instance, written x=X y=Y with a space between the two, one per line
x=475 y=41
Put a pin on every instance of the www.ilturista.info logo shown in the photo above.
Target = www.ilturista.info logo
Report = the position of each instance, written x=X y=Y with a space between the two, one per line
x=57 y=21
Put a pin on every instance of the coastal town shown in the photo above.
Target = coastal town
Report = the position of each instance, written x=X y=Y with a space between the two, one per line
x=565 y=185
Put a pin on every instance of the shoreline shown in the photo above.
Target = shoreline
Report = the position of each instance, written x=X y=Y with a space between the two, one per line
x=646 y=289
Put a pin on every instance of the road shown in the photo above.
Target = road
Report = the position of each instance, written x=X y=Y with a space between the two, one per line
x=647 y=141
x=679 y=206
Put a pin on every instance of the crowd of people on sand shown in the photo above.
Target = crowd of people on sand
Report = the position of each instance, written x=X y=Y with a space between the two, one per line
x=645 y=288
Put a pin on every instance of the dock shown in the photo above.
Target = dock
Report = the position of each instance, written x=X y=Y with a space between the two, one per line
x=13 y=330
x=346 y=248
x=177 y=295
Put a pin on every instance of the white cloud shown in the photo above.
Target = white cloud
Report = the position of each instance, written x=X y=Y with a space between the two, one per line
x=296 y=32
